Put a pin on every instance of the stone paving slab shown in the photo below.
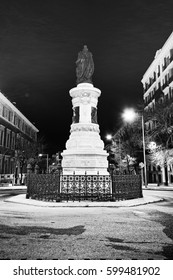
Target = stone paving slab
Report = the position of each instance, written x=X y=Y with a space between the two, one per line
x=21 y=199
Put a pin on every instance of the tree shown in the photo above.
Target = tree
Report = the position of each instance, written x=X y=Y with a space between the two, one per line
x=127 y=145
x=26 y=152
x=161 y=123
x=160 y=127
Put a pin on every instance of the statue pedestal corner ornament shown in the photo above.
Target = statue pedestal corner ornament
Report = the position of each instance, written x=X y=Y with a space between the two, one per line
x=84 y=152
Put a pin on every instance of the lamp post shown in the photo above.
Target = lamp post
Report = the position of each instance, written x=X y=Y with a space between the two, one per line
x=145 y=164
x=129 y=115
x=22 y=162
x=109 y=138
x=47 y=161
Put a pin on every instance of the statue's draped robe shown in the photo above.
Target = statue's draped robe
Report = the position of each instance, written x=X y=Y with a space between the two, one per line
x=85 y=67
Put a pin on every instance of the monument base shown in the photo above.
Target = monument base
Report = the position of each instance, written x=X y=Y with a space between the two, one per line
x=85 y=152
x=84 y=163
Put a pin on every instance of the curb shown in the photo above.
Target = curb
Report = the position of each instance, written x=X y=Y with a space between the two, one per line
x=20 y=199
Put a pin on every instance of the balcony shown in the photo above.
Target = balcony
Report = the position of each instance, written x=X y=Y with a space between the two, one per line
x=166 y=84
x=170 y=79
x=158 y=94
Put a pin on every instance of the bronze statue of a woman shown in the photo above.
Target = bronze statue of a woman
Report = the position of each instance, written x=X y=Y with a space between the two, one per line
x=84 y=66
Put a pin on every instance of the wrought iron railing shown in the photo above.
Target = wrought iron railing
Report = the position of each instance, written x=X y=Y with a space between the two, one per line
x=58 y=187
x=126 y=187
x=43 y=186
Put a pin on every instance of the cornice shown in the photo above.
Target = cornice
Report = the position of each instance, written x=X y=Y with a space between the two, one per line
x=6 y=101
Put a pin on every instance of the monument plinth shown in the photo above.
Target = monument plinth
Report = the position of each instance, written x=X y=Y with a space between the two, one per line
x=85 y=150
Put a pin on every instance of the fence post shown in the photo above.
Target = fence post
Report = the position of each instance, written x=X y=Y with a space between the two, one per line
x=58 y=196
x=111 y=168
x=86 y=190
x=28 y=185
x=140 y=187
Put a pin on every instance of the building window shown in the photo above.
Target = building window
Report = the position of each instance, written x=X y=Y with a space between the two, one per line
x=15 y=120
x=13 y=141
x=0 y=164
x=11 y=166
x=154 y=76
x=158 y=73
x=5 y=113
x=23 y=126
x=10 y=116
x=18 y=141
x=22 y=142
x=1 y=109
x=158 y=168
x=2 y=128
x=6 y=165
x=19 y=124
x=8 y=138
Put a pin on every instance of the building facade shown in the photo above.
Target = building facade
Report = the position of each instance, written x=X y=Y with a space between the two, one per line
x=16 y=134
x=157 y=85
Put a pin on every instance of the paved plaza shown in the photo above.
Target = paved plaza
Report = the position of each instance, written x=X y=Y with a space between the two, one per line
x=129 y=231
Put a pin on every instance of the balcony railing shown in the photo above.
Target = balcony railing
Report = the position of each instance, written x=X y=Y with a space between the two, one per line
x=166 y=84
x=170 y=79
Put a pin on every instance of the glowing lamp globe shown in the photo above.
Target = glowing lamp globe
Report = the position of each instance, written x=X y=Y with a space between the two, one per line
x=129 y=115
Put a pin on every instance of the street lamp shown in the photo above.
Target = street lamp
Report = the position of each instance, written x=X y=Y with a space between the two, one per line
x=108 y=137
x=108 y=147
x=47 y=161
x=129 y=115
x=152 y=145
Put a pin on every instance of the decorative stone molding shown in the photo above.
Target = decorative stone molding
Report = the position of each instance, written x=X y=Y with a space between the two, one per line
x=77 y=162
x=85 y=89
x=85 y=127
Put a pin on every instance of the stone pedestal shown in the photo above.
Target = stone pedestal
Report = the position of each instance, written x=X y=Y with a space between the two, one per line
x=85 y=150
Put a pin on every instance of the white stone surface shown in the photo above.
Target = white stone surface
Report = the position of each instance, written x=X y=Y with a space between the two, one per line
x=84 y=149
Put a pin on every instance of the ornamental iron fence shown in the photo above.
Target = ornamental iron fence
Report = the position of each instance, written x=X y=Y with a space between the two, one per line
x=58 y=187
x=126 y=187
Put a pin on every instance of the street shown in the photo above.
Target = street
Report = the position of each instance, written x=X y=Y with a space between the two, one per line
x=141 y=232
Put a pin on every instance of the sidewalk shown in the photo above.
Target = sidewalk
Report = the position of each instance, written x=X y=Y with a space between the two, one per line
x=158 y=188
x=146 y=199
x=13 y=190
x=21 y=199
x=149 y=187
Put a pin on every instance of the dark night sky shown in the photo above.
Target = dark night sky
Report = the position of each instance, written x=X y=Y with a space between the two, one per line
x=39 y=43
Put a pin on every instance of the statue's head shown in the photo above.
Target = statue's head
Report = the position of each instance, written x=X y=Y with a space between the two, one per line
x=85 y=48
